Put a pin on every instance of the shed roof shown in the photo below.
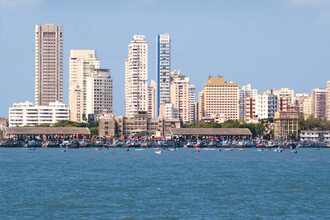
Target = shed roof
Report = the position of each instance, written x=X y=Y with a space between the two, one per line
x=47 y=130
x=211 y=131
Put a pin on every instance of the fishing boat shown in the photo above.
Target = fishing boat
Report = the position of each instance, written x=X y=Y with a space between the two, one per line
x=294 y=151
x=171 y=149
x=139 y=149
x=97 y=149
x=158 y=152
x=229 y=149
x=260 y=149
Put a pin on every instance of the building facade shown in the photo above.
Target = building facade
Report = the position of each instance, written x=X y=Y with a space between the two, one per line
x=163 y=69
x=328 y=101
x=152 y=100
x=182 y=96
x=111 y=125
x=285 y=124
x=25 y=114
x=221 y=98
x=48 y=64
x=81 y=64
x=136 y=77
x=99 y=93
x=318 y=104
x=314 y=136
x=245 y=92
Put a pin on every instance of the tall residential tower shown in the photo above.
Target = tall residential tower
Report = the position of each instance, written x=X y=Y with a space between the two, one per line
x=163 y=69
x=136 y=77
x=81 y=64
x=48 y=64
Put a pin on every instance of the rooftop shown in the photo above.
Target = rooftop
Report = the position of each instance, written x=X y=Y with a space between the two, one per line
x=211 y=131
x=46 y=130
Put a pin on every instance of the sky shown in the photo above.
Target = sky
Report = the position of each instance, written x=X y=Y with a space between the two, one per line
x=267 y=43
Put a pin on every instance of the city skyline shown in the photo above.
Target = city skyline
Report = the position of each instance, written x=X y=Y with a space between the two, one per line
x=198 y=72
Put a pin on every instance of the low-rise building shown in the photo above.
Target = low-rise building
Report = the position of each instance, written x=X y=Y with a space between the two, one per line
x=111 y=125
x=286 y=124
x=3 y=125
x=314 y=136
x=25 y=114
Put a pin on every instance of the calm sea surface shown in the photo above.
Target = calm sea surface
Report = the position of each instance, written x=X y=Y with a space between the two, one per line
x=115 y=184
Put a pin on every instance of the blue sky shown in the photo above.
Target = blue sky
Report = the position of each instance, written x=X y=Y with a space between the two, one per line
x=268 y=43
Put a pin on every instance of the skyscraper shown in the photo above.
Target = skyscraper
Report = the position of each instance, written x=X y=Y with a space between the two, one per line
x=81 y=64
x=98 y=92
x=136 y=77
x=163 y=69
x=48 y=64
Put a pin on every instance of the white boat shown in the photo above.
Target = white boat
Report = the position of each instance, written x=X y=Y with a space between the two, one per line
x=158 y=152
x=229 y=149
x=278 y=150
x=171 y=149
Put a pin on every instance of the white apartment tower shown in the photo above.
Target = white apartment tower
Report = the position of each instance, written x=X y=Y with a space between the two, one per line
x=81 y=64
x=163 y=69
x=99 y=92
x=318 y=102
x=136 y=77
x=48 y=64
x=245 y=92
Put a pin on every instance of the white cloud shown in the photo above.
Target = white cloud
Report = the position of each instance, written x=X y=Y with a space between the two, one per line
x=310 y=2
x=18 y=3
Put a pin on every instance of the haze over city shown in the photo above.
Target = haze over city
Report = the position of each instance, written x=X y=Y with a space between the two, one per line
x=269 y=44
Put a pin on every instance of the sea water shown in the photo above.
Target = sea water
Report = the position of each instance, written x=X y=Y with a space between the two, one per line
x=183 y=184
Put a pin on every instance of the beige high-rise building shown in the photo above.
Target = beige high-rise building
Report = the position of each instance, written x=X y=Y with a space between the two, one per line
x=328 y=101
x=221 y=98
x=152 y=100
x=182 y=95
x=48 y=64
x=81 y=64
x=318 y=102
x=307 y=108
x=299 y=101
x=136 y=77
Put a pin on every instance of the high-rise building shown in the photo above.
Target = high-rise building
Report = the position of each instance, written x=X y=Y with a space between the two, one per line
x=25 y=114
x=328 y=101
x=261 y=106
x=200 y=105
x=221 y=98
x=48 y=64
x=136 y=77
x=307 y=108
x=152 y=100
x=99 y=93
x=163 y=69
x=300 y=100
x=81 y=64
x=244 y=93
x=318 y=102
x=284 y=93
x=182 y=96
